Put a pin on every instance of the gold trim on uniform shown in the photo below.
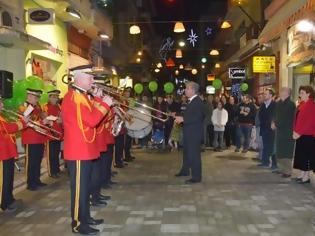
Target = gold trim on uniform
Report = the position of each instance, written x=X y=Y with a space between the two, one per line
x=102 y=109
x=77 y=193
x=19 y=125
x=26 y=160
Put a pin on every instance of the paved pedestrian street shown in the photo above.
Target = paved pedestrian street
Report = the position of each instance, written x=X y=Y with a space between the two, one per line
x=235 y=198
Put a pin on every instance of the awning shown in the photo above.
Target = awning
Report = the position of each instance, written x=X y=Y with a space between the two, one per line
x=291 y=12
x=13 y=38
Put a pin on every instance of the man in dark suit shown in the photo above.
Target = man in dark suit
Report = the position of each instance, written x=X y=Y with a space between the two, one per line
x=192 y=120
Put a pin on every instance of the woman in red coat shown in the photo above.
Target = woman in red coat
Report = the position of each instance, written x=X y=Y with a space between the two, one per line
x=304 y=134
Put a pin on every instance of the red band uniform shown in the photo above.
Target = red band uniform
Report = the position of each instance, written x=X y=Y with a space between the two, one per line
x=80 y=118
x=7 y=154
x=34 y=141
x=52 y=108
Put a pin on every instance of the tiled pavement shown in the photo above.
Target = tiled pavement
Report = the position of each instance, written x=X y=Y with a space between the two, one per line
x=235 y=198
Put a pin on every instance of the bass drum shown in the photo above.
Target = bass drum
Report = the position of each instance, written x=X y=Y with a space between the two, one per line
x=140 y=124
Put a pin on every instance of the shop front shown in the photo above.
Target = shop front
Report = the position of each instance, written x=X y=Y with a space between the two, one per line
x=50 y=64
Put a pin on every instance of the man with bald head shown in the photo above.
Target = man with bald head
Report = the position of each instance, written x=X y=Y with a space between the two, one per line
x=283 y=125
x=80 y=116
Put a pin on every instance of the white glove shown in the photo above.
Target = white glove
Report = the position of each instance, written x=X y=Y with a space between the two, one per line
x=108 y=100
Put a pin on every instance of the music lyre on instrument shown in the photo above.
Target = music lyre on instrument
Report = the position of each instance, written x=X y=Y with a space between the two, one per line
x=42 y=129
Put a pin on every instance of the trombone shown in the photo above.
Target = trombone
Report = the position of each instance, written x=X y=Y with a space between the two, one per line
x=113 y=92
x=42 y=129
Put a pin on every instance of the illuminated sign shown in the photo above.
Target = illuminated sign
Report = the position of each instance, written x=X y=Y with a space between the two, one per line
x=210 y=77
x=41 y=16
x=237 y=73
x=264 y=64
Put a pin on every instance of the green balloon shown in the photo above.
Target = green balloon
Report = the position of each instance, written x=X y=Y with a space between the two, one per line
x=168 y=87
x=153 y=86
x=35 y=82
x=9 y=104
x=138 y=88
x=244 y=87
x=43 y=98
x=19 y=90
x=217 y=83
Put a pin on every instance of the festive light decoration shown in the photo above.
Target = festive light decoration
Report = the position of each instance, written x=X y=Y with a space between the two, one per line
x=208 y=31
x=138 y=88
x=139 y=53
x=176 y=72
x=217 y=65
x=170 y=63
x=244 y=87
x=179 y=27
x=165 y=48
x=153 y=86
x=226 y=25
x=178 y=53
x=134 y=29
x=181 y=43
x=214 y=52
x=168 y=87
x=181 y=66
x=138 y=60
x=194 y=71
x=157 y=70
x=203 y=66
x=192 y=38
x=203 y=60
x=159 y=65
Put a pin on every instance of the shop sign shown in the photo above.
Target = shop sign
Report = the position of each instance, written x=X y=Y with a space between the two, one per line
x=264 y=64
x=210 y=77
x=237 y=73
x=41 y=16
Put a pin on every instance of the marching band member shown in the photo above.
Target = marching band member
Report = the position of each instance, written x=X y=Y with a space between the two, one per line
x=34 y=142
x=107 y=157
x=7 y=154
x=53 y=108
x=80 y=118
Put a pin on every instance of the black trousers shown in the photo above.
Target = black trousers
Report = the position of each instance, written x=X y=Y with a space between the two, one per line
x=80 y=178
x=119 y=149
x=34 y=156
x=127 y=147
x=268 y=146
x=53 y=151
x=6 y=184
x=106 y=163
x=95 y=183
x=210 y=130
x=229 y=134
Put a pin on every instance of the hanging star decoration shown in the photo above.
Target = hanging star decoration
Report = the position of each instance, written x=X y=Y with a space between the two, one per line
x=208 y=31
x=165 y=48
x=192 y=38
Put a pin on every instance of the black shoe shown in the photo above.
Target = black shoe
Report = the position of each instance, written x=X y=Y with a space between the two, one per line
x=105 y=198
x=305 y=182
x=192 y=181
x=237 y=150
x=244 y=151
x=114 y=172
x=32 y=188
x=92 y=221
x=297 y=179
x=41 y=184
x=128 y=160
x=10 y=209
x=119 y=166
x=132 y=158
x=181 y=174
x=87 y=230
x=54 y=176
x=112 y=182
x=98 y=203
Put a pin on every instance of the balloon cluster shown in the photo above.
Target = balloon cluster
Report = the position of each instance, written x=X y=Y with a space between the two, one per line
x=19 y=91
x=153 y=87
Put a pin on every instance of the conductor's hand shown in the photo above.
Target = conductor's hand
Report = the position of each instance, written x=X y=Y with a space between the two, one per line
x=108 y=100
x=179 y=119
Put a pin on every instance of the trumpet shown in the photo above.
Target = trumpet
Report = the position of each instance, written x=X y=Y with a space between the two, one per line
x=114 y=93
x=39 y=128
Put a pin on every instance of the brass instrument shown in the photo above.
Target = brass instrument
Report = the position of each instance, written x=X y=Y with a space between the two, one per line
x=42 y=129
x=112 y=92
